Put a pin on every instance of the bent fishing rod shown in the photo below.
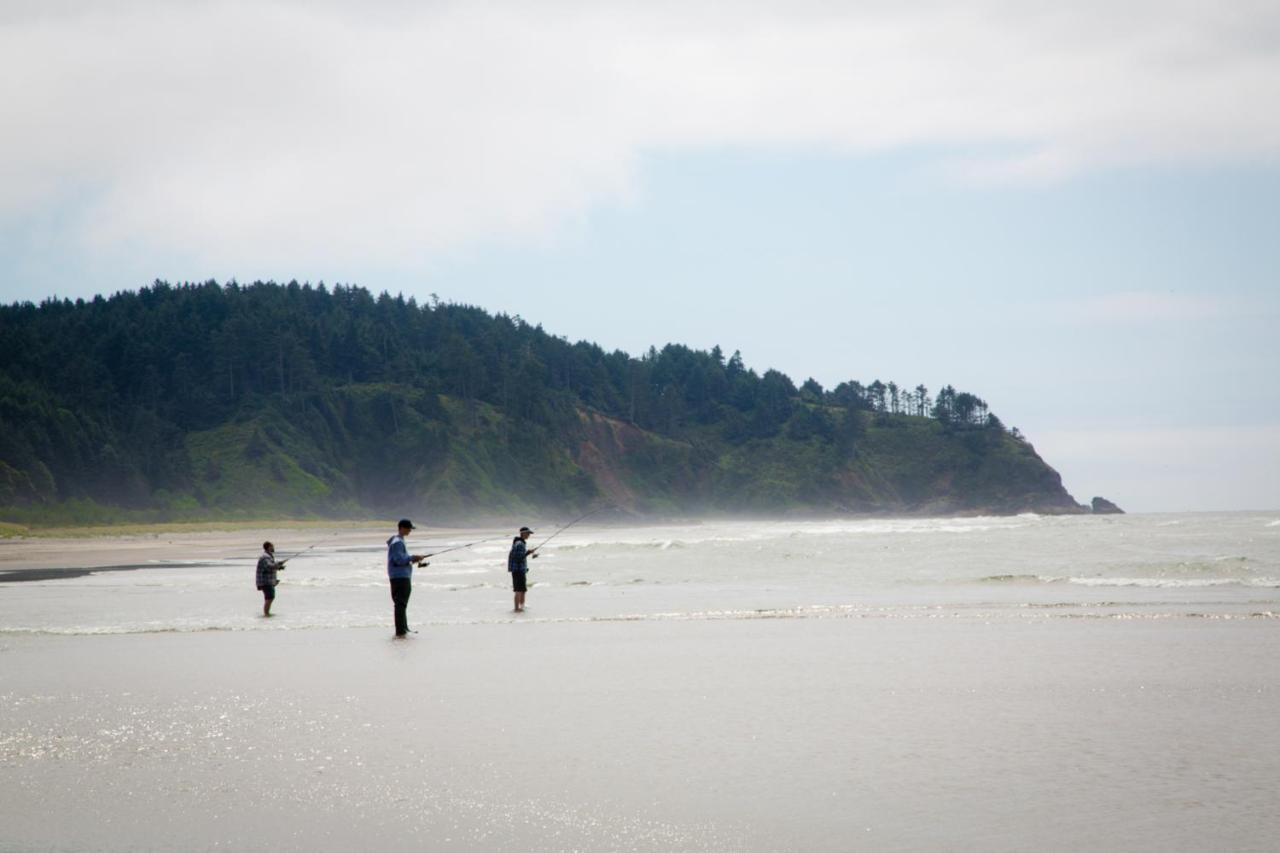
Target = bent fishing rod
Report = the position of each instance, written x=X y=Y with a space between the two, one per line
x=582 y=517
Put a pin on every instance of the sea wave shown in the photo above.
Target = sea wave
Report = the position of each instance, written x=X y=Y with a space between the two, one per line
x=1175 y=583
x=624 y=547
x=1149 y=582
x=1014 y=579
x=737 y=534
x=454 y=587
x=985 y=612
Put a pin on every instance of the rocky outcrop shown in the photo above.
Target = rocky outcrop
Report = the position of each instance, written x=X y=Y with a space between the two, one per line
x=1102 y=506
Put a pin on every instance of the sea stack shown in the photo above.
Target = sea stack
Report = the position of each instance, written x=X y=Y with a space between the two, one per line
x=1102 y=506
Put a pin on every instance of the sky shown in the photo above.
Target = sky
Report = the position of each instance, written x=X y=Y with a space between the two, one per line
x=1072 y=212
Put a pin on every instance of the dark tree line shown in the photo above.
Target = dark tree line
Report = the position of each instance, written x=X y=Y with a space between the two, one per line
x=101 y=391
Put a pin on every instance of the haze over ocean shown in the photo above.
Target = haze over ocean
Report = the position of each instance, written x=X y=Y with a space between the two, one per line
x=986 y=683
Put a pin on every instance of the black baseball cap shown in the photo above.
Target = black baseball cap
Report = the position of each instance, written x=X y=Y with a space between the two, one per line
x=404 y=522
x=525 y=530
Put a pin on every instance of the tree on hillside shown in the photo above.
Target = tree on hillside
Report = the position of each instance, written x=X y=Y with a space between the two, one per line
x=876 y=395
x=114 y=416
x=922 y=401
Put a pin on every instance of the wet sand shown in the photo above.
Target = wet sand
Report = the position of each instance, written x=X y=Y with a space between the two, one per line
x=21 y=557
x=733 y=735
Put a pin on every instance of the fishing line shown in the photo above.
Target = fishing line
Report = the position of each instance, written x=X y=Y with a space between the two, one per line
x=460 y=547
x=308 y=548
x=571 y=524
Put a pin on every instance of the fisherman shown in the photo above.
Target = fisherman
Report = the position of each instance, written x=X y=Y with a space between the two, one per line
x=518 y=565
x=267 y=580
x=400 y=565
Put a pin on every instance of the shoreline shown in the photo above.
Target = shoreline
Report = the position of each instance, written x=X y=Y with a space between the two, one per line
x=16 y=531
x=482 y=519
x=78 y=550
x=185 y=546
x=12 y=530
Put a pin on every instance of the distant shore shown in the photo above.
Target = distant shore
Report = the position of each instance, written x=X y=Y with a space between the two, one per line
x=11 y=530
x=74 y=550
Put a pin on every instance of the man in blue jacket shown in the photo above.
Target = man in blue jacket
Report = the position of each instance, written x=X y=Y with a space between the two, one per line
x=400 y=565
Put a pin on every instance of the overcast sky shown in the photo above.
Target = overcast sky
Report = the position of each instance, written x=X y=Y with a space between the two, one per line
x=1071 y=210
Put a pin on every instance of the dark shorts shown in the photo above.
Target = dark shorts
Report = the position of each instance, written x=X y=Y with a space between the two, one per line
x=268 y=592
x=518 y=581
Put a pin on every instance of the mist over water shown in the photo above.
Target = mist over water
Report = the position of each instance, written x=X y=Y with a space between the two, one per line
x=1103 y=683
x=1006 y=567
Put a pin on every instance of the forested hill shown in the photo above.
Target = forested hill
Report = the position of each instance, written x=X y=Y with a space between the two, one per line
x=267 y=400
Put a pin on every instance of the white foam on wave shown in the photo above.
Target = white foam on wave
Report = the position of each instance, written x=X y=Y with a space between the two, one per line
x=460 y=570
x=917 y=612
x=1135 y=581
x=737 y=534
x=1017 y=579
x=455 y=587
x=1275 y=523
x=334 y=583
x=1174 y=583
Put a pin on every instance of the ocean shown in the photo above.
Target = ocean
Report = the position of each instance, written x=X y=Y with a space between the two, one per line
x=1057 y=683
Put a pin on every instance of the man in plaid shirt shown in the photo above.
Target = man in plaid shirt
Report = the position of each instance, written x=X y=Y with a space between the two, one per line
x=267 y=580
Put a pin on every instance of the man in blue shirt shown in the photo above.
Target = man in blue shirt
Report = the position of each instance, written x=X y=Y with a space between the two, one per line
x=400 y=565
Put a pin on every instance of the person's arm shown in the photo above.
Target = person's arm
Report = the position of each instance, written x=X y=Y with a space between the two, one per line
x=400 y=554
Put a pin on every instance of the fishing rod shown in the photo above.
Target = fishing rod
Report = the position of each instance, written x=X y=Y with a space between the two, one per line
x=582 y=517
x=308 y=548
x=460 y=547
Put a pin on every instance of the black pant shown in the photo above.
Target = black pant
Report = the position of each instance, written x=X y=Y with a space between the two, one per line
x=400 y=589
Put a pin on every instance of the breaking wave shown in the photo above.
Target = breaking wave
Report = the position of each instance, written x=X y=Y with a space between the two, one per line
x=1149 y=582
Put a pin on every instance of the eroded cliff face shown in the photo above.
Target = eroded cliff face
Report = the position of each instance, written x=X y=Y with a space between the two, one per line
x=911 y=469
x=634 y=468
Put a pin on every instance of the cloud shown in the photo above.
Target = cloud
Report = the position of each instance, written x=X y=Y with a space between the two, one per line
x=350 y=133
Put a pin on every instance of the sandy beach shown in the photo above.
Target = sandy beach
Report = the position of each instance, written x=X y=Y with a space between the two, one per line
x=176 y=543
x=735 y=735
x=659 y=726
